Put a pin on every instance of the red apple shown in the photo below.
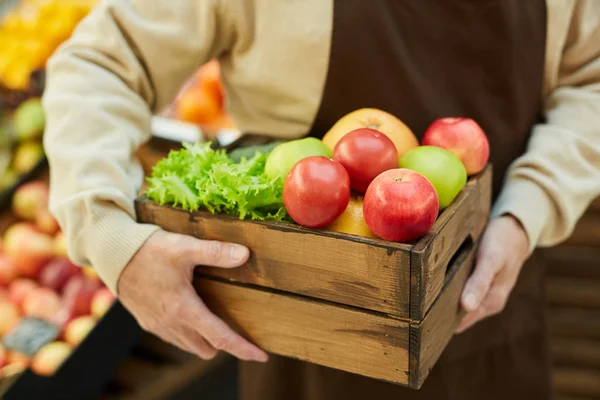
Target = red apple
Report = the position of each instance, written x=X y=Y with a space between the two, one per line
x=29 y=198
x=462 y=137
x=19 y=289
x=78 y=294
x=400 y=205
x=102 y=301
x=28 y=248
x=42 y=303
x=57 y=272
x=316 y=191
x=3 y=294
x=46 y=222
x=78 y=329
x=9 y=317
x=50 y=357
x=8 y=270
x=365 y=153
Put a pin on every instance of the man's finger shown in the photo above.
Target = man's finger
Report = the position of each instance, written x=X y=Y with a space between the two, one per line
x=216 y=254
x=489 y=263
x=197 y=344
x=218 y=334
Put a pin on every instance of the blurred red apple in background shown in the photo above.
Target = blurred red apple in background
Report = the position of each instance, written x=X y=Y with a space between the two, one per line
x=28 y=248
x=365 y=153
x=8 y=270
x=78 y=329
x=9 y=317
x=462 y=137
x=50 y=357
x=46 y=222
x=400 y=205
x=29 y=198
x=19 y=289
x=102 y=301
x=78 y=294
x=42 y=303
x=57 y=273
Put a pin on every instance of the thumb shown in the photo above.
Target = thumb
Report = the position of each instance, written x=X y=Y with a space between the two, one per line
x=213 y=253
x=489 y=263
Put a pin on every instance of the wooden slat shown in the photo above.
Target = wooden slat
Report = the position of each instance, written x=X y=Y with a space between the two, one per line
x=595 y=206
x=573 y=292
x=586 y=231
x=576 y=352
x=347 y=339
x=367 y=273
x=577 y=382
x=573 y=261
x=573 y=322
x=429 y=338
x=567 y=397
x=464 y=219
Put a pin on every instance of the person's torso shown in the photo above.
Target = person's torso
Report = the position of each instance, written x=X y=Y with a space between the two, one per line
x=419 y=60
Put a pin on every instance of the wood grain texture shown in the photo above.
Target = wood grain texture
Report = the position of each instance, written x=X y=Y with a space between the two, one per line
x=429 y=337
x=574 y=292
x=577 y=382
x=575 y=352
x=466 y=217
x=573 y=261
x=366 y=273
x=347 y=339
x=586 y=231
x=574 y=322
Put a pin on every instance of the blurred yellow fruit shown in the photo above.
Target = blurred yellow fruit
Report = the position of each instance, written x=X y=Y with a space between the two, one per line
x=352 y=221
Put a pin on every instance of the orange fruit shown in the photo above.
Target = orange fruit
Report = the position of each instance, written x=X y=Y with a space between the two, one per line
x=352 y=221
x=404 y=139
x=197 y=106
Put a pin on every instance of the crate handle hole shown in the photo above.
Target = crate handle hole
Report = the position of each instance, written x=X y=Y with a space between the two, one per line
x=459 y=256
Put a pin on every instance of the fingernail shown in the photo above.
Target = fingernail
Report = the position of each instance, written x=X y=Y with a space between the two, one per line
x=261 y=356
x=470 y=302
x=239 y=253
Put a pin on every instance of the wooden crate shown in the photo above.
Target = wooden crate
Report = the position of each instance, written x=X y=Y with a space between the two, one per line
x=368 y=306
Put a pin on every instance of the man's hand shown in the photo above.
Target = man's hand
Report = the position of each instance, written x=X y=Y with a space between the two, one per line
x=502 y=252
x=156 y=288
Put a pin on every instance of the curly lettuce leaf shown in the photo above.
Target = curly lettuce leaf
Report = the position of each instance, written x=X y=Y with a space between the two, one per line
x=199 y=177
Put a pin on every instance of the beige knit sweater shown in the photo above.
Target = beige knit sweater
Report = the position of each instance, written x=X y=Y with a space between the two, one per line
x=128 y=59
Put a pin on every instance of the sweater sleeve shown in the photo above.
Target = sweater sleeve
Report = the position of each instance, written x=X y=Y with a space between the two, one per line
x=552 y=184
x=123 y=62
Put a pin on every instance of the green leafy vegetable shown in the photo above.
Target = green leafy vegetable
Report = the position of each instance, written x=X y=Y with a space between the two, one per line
x=249 y=151
x=198 y=177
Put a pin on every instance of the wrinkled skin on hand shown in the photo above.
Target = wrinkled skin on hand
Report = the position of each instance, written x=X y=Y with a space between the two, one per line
x=156 y=288
x=503 y=250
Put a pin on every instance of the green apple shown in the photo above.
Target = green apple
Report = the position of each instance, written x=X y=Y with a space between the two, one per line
x=285 y=155
x=443 y=169
x=29 y=120
x=27 y=155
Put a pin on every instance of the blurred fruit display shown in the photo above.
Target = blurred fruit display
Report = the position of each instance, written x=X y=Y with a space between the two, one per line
x=29 y=34
x=21 y=149
x=48 y=305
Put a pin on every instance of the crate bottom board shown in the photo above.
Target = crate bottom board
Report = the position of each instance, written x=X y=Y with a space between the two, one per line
x=345 y=338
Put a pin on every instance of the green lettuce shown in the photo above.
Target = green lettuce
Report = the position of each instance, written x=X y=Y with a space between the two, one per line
x=199 y=177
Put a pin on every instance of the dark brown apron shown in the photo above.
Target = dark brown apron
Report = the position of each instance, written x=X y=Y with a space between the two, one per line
x=422 y=60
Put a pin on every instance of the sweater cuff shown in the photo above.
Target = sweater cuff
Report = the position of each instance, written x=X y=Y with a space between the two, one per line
x=529 y=204
x=118 y=237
